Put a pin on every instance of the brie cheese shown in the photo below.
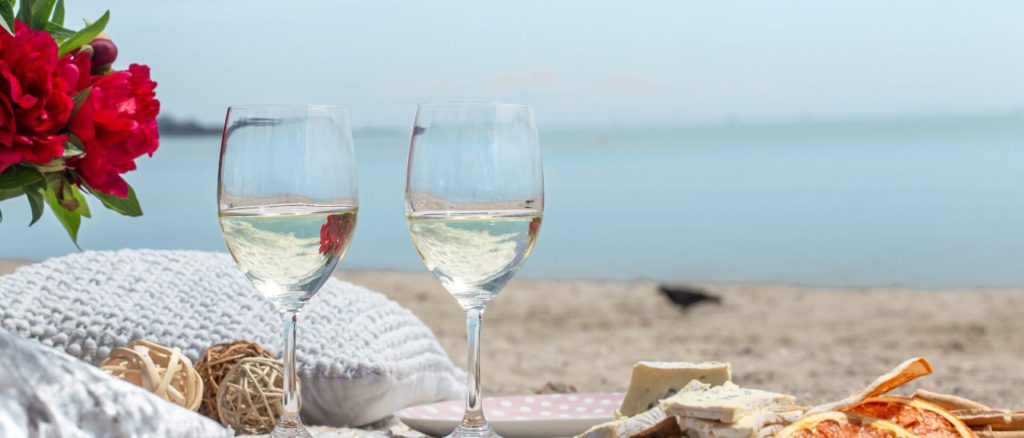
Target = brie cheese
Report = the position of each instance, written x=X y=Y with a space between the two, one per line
x=655 y=381
x=725 y=403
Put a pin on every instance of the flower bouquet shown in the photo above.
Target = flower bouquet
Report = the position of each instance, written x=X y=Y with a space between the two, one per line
x=70 y=125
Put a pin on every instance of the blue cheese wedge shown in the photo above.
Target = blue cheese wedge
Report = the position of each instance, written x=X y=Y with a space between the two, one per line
x=655 y=381
x=751 y=425
x=649 y=424
x=725 y=403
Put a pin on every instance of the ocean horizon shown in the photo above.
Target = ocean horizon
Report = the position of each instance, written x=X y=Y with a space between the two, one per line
x=929 y=202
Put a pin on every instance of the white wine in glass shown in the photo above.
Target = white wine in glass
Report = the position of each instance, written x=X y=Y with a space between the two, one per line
x=474 y=199
x=287 y=200
x=288 y=251
x=474 y=254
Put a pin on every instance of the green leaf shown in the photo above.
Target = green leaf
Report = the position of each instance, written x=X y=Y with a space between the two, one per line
x=69 y=219
x=127 y=206
x=58 y=13
x=73 y=147
x=10 y=193
x=16 y=177
x=41 y=11
x=70 y=190
x=58 y=32
x=25 y=10
x=35 y=200
x=79 y=99
x=77 y=142
x=7 y=16
x=54 y=166
x=35 y=13
x=85 y=35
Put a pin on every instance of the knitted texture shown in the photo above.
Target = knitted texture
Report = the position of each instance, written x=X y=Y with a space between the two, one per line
x=46 y=393
x=361 y=356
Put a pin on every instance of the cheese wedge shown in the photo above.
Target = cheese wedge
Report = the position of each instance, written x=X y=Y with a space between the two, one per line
x=654 y=381
x=750 y=425
x=651 y=423
x=725 y=403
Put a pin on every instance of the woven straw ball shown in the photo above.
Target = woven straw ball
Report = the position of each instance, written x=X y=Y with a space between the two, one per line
x=215 y=363
x=160 y=370
x=250 y=396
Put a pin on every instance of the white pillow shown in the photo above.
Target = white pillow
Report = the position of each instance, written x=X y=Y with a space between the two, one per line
x=45 y=393
x=361 y=356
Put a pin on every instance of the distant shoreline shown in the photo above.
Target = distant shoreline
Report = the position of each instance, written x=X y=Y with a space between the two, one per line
x=173 y=126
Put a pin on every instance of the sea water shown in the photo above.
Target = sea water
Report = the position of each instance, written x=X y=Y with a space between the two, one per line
x=928 y=203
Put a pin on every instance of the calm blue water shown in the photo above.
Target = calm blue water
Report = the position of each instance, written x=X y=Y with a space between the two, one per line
x=933 y=203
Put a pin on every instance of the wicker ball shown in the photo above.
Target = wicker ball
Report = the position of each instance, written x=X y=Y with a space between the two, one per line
x=160 y=370
x=215 y=363
x=250 y=396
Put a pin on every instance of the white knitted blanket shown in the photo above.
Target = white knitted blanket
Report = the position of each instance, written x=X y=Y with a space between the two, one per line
x=361 y=356
x=45 y=393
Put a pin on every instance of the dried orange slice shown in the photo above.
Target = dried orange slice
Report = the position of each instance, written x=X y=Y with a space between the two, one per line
x=905 y=372
x=921 y=418
x=842 y=425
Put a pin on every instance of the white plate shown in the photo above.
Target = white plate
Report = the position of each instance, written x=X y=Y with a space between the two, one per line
x=520 y=416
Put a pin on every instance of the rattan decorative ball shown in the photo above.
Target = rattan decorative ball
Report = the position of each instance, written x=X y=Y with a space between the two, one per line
x=216 y=362
x=250 y=396
x=161 y=370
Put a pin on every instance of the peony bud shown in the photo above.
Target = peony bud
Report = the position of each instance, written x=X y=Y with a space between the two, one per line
x=104 y=53
x=69 y=204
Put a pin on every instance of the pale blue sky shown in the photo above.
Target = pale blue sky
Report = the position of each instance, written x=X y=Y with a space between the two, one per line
x=588 y=63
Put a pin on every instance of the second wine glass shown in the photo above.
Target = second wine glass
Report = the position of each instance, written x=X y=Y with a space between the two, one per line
x=475 y=199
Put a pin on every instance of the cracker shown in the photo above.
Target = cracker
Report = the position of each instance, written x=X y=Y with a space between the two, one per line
x=1001 y=434
x=1016 y=423
x=999 y=419
x=948 y=402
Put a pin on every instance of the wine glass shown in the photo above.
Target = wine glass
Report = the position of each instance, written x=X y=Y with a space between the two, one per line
x=287 y=200
x=474 y=198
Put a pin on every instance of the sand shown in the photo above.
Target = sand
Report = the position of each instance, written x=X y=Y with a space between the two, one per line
x=818 y=344
x=9 y=265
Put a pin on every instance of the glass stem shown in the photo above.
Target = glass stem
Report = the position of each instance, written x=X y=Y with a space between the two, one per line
x=290 y=408
x=474 y=417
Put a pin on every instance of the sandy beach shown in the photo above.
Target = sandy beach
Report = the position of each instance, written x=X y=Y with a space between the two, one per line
x=818 y=344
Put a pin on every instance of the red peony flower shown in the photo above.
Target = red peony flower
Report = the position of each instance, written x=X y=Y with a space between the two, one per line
x=35 y=96
x=116 y=124
x=69 y=122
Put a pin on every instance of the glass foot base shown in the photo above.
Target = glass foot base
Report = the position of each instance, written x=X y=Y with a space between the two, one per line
x=464 y=431
x=290 y=428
